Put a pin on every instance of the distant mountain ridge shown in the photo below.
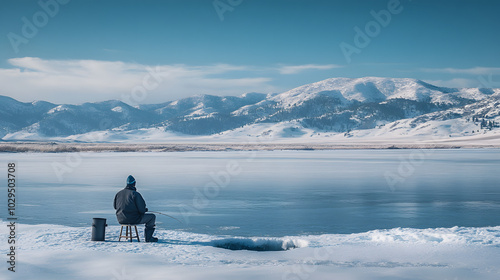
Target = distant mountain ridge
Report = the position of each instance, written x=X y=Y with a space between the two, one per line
x=337 y=105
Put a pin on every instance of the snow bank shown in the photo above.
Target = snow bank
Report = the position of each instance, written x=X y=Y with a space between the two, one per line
x=454 y=236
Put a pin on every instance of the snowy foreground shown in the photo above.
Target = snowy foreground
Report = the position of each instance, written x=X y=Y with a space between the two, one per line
x=60 y=252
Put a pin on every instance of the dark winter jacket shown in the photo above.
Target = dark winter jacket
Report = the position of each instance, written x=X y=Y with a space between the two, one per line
x=130 y=206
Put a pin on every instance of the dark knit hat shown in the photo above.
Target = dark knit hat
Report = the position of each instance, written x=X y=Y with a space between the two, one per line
x=130 y=180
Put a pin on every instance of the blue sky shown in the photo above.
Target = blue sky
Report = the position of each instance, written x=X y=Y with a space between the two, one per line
x=155 y=51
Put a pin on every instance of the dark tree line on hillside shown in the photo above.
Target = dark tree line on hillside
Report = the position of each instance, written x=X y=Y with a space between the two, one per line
x=484 y=123
x=488 y=124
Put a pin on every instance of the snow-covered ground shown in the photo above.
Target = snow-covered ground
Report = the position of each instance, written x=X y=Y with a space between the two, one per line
x=60 y=252
x=456 y=132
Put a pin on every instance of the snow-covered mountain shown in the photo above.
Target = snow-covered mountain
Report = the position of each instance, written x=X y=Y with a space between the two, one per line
x=348 y=107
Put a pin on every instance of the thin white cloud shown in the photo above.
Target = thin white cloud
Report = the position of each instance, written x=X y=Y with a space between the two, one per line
x=455 y=83
x=77 y=81
x=469 y=71
x=295 y=69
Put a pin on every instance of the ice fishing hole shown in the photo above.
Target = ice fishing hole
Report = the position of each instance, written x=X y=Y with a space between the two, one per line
x=259 y=244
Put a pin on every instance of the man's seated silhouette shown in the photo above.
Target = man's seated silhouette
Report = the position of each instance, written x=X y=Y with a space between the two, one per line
x=131 y=209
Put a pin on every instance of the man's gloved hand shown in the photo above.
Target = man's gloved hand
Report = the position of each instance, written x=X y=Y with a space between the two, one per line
x=147 y=210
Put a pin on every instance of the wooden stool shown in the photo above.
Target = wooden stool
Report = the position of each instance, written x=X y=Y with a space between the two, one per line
x=128 y=233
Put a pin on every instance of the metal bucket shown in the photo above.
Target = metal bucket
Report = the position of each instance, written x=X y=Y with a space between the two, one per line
x=98 y=229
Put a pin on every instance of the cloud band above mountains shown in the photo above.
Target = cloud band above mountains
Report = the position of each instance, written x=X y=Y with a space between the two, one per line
x=78 y=81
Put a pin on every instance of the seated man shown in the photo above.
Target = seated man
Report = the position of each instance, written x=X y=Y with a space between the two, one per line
x=131 y=209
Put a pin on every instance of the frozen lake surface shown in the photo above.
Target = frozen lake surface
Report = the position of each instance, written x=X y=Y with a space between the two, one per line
x=268 y=193
x=363 y=214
